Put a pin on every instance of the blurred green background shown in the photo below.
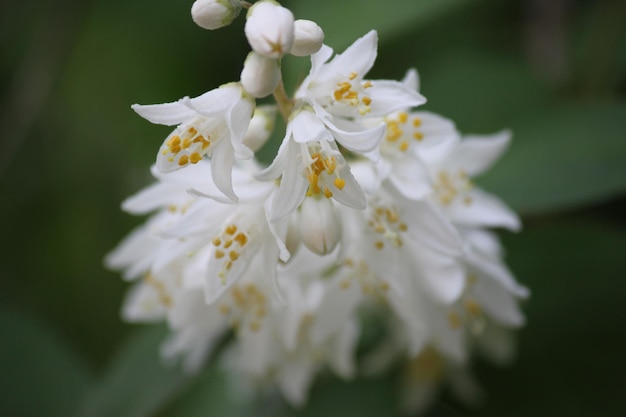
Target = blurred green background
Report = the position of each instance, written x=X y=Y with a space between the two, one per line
x=554 y=71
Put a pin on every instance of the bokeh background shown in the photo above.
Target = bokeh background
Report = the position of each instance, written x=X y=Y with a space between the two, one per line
x=71 y=149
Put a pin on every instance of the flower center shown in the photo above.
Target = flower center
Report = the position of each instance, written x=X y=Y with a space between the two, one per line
x=322 y=170
x=449 y=185
x=371 y=284
x=227 y=248
x=352 y=93
x=247 y=307
x=387 y=224
x=185 y=146
x=468 y=310
x=401 y=129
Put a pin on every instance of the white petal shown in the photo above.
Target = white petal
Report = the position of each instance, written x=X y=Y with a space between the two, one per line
x=307 y=127
x=430 y=228
x=476 y=154
x=286 y=152
x=143 y=304
x=238 y=119
x=291 y=192
x=388 y=96
x=351 y=195
x=498 y=303
x=155 y=196
x=342 y=350
x=354 y=137
x=442 y=275
x=358 y=57
x=410 y=177
x=215 y=102
x=411 y=80
x=168 y=114
x=221 y=168
x=483 y=210
x=294 y=379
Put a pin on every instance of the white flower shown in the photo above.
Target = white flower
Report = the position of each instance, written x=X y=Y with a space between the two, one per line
x=309 y=163
x=336 y=89
x=452 y=168
x=214 y=14
x=308 y=38
x=212 y=124
x=260 y=75
x=269 y=29
x=319 y=227
x=261 y=127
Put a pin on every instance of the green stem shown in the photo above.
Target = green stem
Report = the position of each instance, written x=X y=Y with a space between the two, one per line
x=285 y=105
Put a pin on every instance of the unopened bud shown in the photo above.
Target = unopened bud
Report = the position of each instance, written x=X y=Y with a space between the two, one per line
x=269 y=29
x=261 y=127
x=214 y=14
x=308 y=38
x=260 y=75
x=320 y=230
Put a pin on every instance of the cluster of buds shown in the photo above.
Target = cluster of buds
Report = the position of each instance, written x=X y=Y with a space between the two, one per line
x=369 y=208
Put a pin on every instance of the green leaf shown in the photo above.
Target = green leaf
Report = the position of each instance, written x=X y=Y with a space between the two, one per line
x=41 y=376
x=137 y=383
x=567 y=156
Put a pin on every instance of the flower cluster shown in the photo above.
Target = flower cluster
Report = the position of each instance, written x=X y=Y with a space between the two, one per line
x=367 y=211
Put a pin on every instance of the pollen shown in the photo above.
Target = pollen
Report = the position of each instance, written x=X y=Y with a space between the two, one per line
x=183 y=160
x=327 y=192
x=340 y=183
x=217 y=241
x=231 y=229
x=219 y=254
x=233 y=255
x=403 y=117
x=417 y=122
x=379 y=244
x=404 y=146
x=352 y=75
x=454 y=320
x=418 y=136
x=473 y=308
x=367 y=101
x=195 y=158
x=241 y=239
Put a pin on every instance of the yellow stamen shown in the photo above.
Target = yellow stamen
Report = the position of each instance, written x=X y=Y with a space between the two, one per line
x=183 y=160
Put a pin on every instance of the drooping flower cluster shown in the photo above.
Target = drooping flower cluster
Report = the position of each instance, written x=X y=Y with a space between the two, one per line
x=368 y=209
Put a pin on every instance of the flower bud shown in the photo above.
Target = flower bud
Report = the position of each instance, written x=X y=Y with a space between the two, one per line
x=269 y=29
x=308 y=38
x=214 y=14
x=260 y=75
x=261 y=127
x=319 y=225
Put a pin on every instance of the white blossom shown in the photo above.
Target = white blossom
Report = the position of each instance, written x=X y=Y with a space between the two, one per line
x=214 y=14
x=269 y=29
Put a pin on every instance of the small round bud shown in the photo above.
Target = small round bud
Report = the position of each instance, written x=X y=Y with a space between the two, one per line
x=269 y=29
x=308 y=38
x=261 y=127
x=320 y=230
x=214 y=14
x=260 y=75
